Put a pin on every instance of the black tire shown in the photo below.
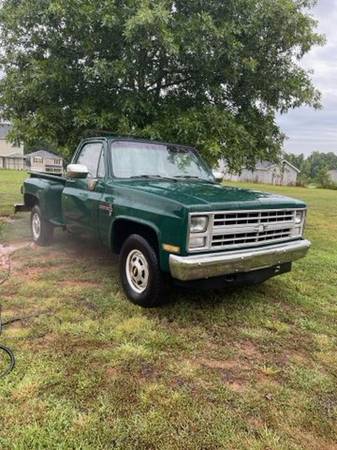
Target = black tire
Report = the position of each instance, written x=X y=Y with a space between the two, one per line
x=137 y=252
x=42 y=234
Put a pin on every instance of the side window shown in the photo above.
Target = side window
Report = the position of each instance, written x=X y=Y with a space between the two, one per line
x=89 y=156
x=101 y=166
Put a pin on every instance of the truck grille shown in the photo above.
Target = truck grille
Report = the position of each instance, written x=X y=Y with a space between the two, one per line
x=245 y=229
x=254 y=217
x=242 y=229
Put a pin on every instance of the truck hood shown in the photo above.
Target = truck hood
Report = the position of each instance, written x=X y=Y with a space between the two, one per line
x=199 y=195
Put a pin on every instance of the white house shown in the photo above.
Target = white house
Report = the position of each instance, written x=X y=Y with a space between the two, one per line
x=266 y=172
x=43 y=161
x=11 y=155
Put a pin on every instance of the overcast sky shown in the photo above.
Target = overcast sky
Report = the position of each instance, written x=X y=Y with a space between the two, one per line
x=307 y=129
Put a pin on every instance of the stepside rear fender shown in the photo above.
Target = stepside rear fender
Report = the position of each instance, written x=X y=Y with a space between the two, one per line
x=47 y=193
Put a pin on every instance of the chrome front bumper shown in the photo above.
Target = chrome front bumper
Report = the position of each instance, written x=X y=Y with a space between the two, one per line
x=196 y=267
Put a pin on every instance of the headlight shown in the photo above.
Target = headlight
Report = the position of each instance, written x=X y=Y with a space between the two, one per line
x=299 y=217
x=199 y=224
x=197 y=242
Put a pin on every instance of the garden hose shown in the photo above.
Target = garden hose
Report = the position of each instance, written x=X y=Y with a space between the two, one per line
x=10 y=355
x=5 y=350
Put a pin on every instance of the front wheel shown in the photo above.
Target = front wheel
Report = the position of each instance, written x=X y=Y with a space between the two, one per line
x=42 y=231
x=140 y=273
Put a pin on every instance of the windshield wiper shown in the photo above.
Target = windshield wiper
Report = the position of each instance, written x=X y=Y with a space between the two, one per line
x=153 y=177
x=191 y=177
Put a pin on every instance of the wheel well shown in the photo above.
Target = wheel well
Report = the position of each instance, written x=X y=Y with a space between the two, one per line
x=30 y=200
x=123 y=228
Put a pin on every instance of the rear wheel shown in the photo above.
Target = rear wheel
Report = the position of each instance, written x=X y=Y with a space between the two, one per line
x=140 y=272
x=42 y=231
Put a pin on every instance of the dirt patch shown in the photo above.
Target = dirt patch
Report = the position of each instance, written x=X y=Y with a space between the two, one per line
x=249 y=350
x=28 y=274
x=218 y=364
x=147 y=372
x=68 y=345
x=309 y=440
x=236 y=378
x=237 y=385
x=5 y=256
x=234 y=373
x=7 y=250
x=112 y=372
x=80 y=283
x=6 y=219
x=256 y=422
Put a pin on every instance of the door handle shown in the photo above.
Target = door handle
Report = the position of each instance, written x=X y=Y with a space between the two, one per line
x=92 y=184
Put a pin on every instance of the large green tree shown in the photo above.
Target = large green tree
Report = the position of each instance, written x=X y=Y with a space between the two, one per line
x=208 y=73
x=314 y=168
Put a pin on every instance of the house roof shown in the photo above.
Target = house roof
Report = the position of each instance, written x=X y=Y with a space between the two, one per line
x=4 y=129
x=15 y=155
x=291 y=165
x=43 y=154
x=266 y=165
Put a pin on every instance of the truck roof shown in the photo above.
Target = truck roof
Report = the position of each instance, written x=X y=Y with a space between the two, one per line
x=113 y=137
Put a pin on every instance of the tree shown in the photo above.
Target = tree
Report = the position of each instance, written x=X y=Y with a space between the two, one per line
x=315 y=167
x=322 y=178
x=40 y=145
x=318 y=162
x=212 y=74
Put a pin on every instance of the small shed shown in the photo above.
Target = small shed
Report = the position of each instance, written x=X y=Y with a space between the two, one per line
x=44 y=161
x=266 y=172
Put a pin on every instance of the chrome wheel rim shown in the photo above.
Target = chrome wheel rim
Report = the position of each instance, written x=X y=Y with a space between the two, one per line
x=137 y=271
x=36 y=226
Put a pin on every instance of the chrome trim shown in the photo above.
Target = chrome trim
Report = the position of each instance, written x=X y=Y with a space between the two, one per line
x=208 y=265
x=77 y=171
x=213 y=230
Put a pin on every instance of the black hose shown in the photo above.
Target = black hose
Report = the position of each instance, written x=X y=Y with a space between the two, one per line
x=3 y=349
x=11 y=357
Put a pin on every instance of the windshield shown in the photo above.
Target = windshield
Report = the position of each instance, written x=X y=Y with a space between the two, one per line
x=139 y=159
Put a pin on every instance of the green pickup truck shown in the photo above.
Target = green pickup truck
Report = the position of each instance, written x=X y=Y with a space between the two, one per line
x=161 y=209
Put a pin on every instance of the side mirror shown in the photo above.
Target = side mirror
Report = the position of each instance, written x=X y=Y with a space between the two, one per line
x=218 y=176
x=77 y=171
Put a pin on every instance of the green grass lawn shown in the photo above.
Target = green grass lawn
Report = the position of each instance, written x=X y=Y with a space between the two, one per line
x=250 y=368
x=10 y=183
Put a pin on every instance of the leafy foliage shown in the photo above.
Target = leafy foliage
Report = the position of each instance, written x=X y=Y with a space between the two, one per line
x=211 y=74
x=315 y=167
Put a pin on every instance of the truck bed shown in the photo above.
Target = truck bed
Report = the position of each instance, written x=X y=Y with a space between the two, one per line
x=47 y=176
x=45 y=190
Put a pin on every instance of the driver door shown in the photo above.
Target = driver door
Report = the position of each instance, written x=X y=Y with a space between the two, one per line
x=81 y=196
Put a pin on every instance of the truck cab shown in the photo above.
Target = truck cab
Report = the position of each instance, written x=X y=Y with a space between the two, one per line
x=160 y=208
